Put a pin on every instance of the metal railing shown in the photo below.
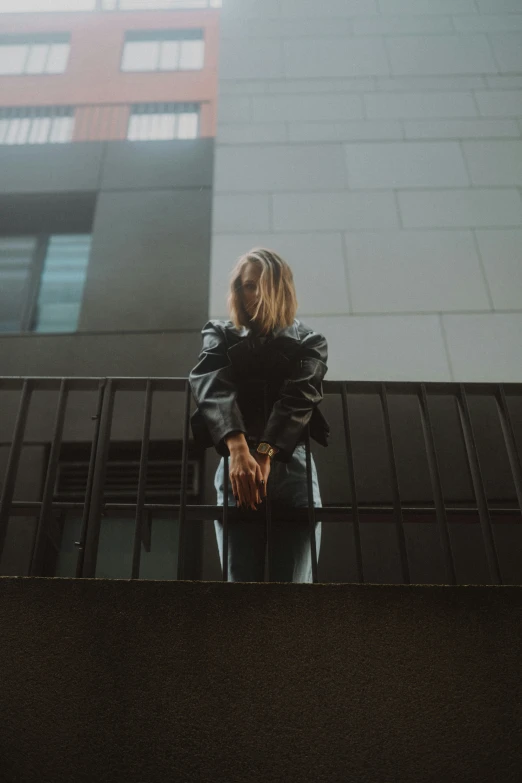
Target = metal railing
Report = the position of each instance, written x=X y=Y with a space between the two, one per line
x=94 y=506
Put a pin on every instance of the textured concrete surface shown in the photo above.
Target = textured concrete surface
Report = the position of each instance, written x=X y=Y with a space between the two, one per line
x=145 y=681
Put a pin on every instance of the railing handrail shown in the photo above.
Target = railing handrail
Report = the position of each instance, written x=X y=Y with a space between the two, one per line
x=329 y=386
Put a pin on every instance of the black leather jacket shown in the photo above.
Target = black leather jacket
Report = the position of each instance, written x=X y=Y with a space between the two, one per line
x=234 y=372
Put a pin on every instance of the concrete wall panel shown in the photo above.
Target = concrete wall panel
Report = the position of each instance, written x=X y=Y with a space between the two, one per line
x=501 y=252
x=426 y=197
x=279 y=168
x=50 y=168
x=494 y=162
x=460 y=208
x=405 y=165
x=485 y=347
x=183 y=163
x=421 y=271
x=149 y=261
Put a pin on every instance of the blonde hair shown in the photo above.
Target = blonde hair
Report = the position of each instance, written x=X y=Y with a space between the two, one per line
x=277 y=303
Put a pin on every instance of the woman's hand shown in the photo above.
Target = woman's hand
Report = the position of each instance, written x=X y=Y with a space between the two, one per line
x=264 y=462
x=244 y=472
x=245 y=477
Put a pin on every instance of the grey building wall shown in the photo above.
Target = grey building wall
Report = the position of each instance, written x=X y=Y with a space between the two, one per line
x=376 y=144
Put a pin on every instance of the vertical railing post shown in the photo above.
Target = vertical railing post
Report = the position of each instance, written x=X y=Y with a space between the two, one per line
x=6 y=497
x=183 y=494
x=225 y=570
x=478 y=485
x=102 y=385
x=311 y=505
x=397 y=508
x=44 y=519
x=436 y=486
x=96 y=505
x=142 y=482
x=268 y=500
x=351 y=486
x=509 y=439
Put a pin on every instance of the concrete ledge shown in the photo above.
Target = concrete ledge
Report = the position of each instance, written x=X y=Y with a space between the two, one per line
x=143 y=681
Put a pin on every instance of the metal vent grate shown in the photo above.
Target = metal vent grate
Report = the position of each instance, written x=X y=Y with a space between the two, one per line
x=121 y=479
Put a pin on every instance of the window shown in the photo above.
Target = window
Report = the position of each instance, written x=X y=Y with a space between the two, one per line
x=36 y=125
x=150 y=121
x=41 y=282
x=34 y=55
x=41 y=6
x=165 y=5
x=169 y=50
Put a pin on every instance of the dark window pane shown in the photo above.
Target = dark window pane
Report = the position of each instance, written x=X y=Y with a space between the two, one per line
x=63 y=279
x=16 y=255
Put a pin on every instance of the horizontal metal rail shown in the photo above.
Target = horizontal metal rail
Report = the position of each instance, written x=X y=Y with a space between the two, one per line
x=206 y=511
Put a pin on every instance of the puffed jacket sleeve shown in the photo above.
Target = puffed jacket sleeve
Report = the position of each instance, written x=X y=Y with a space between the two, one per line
x=299 y=395
x=214 y=389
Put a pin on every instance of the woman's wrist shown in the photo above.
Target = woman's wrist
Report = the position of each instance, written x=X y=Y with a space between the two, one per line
x=236 y=441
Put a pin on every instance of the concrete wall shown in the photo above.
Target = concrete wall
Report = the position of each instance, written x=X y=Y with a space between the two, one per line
x=376 y=144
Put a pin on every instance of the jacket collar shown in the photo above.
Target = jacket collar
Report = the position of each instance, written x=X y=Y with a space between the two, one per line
x=290 y=332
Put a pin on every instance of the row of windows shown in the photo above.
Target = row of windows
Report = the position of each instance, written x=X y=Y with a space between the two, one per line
x=170 y=53
x=36 y=130
x=41 y=6
x=56 y=125
x=42 y=281
x=172 y=50
x=144 y=126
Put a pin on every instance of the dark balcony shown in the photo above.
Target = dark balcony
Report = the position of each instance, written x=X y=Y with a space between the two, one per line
x=106 y=472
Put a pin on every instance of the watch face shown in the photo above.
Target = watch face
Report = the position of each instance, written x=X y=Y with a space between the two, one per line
x=263 y=448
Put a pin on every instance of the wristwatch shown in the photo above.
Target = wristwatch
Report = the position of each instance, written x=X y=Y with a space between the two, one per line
x=266 y=448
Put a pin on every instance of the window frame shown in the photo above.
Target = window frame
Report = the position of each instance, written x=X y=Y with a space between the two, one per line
x=29 y=41
x=181 y=108
x=34 y=280
x=32 y=285
x=161 y=36
x=33 y=114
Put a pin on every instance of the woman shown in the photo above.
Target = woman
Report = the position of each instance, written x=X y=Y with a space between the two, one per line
x=257 y=385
